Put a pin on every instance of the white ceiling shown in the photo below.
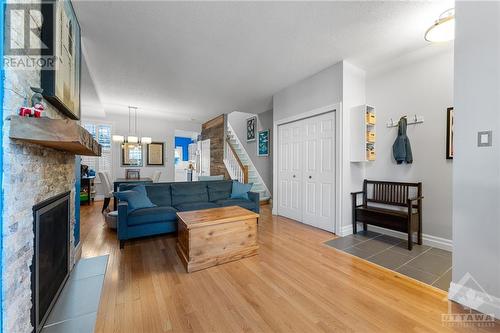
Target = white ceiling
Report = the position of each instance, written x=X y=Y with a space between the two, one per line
x=196 y=60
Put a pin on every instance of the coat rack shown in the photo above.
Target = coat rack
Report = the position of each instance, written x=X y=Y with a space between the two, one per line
x=411 y=121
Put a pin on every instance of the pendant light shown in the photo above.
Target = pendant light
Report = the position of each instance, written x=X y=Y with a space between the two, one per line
x=443 y=30
x=132 y=137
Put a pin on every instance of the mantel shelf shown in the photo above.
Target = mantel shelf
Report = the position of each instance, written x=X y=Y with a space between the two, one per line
x=61 y=134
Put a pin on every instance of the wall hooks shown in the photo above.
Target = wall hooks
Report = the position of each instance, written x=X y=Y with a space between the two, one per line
x=411 y=121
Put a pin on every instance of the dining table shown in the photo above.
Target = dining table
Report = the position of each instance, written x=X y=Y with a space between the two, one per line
x=119 y=181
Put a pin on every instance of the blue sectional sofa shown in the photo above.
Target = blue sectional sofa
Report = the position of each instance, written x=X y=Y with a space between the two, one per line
x=171 y=198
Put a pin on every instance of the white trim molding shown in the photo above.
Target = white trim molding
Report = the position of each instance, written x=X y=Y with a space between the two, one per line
x=430 y=240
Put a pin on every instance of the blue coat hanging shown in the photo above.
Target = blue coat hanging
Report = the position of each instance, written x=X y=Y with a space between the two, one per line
x=401 y=149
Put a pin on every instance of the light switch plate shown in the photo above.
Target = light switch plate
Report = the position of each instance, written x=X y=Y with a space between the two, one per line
x=484 y=139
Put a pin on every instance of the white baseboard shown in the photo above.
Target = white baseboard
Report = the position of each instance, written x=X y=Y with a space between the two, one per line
x=482 y=302
x=438 y=242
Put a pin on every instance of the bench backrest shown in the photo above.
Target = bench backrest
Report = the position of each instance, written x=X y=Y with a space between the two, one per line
x=390 y=193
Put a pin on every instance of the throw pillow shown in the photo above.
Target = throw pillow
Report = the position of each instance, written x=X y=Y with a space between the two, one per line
x=136 y=198
x=240 y=190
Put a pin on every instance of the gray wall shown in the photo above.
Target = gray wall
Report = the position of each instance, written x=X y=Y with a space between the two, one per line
x=264 y=165
x=476 y=176
x=424 y=88
x=320 y=89
x=339 y=82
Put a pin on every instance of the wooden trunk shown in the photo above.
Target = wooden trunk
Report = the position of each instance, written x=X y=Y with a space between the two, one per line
x=212 y=237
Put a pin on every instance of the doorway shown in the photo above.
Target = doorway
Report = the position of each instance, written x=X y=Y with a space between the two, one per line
x=185 y=152
x=306 y=171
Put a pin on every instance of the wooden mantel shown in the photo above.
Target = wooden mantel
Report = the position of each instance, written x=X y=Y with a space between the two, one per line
x=61 y=134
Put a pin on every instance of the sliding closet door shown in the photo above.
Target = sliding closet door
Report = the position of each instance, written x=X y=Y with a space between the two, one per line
x=290 y=167
x=319 y=172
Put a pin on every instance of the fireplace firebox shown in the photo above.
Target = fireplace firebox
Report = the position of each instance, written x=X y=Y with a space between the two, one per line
x=51 y=257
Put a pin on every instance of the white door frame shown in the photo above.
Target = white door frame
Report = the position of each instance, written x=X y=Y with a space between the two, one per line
x=339 y=157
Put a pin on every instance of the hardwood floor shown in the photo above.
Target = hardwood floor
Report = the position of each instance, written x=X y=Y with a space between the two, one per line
x=294 y=284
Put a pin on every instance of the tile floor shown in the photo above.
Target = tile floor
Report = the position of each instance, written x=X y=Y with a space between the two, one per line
x=76 y=308
x=424 y=263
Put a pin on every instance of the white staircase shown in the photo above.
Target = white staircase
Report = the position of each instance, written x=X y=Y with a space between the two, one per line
x=236 y=165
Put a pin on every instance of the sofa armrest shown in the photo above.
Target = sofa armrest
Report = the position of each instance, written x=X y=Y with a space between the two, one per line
x=255 y=197
x=122 y=224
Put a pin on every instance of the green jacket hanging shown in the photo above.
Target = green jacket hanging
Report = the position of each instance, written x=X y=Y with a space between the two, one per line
x=401 y=149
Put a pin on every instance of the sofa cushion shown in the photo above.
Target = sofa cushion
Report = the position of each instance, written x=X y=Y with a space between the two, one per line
x=159 y=194
x=195 y=206
x=219 y=190
x=136 y=198
x=152 y=215
x=244 y=203
x=240 y=190
x=189 y=192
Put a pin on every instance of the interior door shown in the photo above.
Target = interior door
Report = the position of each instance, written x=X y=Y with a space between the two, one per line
x=205 y=158
x=290 y=167
x=319 y=171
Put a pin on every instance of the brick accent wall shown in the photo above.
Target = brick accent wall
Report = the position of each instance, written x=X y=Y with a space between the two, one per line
x=215 y=130
x=31 y=175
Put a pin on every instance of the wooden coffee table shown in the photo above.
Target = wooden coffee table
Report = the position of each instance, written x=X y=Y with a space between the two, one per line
x=211 y=237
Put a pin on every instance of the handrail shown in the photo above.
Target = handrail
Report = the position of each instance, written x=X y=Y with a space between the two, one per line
x=232 y=155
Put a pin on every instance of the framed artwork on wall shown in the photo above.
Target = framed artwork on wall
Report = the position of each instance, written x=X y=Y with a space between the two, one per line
x=449 y=133
x=263 y=144
x=251 y=128
x=154 y=153
x=131 y=155
x=133 y=174
x=61 y=33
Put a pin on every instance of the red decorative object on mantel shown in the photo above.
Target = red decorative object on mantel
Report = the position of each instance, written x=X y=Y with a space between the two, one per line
x=37 y=109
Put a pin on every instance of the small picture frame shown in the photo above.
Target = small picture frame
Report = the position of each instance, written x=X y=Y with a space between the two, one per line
x=449 y=133
x=154 y=154
x=133 y=174
x=263 y=143
x=251 y=128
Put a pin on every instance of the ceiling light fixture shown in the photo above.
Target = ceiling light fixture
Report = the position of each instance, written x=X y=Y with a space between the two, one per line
x=132 y=137
x=443 y=30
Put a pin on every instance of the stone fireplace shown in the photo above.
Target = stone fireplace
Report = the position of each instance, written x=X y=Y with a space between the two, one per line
x=32 y=174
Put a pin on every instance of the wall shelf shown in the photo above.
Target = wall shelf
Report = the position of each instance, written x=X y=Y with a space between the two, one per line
x=60 y=134
x=363 y=120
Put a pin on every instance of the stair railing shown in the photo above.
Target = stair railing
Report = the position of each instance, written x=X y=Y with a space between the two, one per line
x=233 y=163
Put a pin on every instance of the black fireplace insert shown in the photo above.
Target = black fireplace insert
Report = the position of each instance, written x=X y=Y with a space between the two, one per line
x=50 y=266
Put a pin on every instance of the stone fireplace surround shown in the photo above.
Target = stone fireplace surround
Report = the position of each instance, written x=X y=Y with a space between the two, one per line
x=32 y=174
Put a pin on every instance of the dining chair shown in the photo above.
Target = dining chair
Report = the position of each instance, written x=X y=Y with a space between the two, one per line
x=156 y=176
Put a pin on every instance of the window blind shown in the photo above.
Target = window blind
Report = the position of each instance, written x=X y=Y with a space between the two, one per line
x=101 y=133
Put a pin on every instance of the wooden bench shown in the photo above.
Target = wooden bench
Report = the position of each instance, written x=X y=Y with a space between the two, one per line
x=385 y=198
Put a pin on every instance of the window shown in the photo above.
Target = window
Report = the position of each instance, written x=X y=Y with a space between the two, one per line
x=102 y=133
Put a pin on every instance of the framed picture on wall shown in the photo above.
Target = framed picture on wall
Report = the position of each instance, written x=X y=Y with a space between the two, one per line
x=449 y=133
x=131 y=154
x=61 y=33
x=133 y=174
x=154 y=153
x=251 y=129
x=263 y=144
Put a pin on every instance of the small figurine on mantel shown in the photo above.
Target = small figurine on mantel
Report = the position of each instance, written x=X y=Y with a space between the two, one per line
x=37 y=109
